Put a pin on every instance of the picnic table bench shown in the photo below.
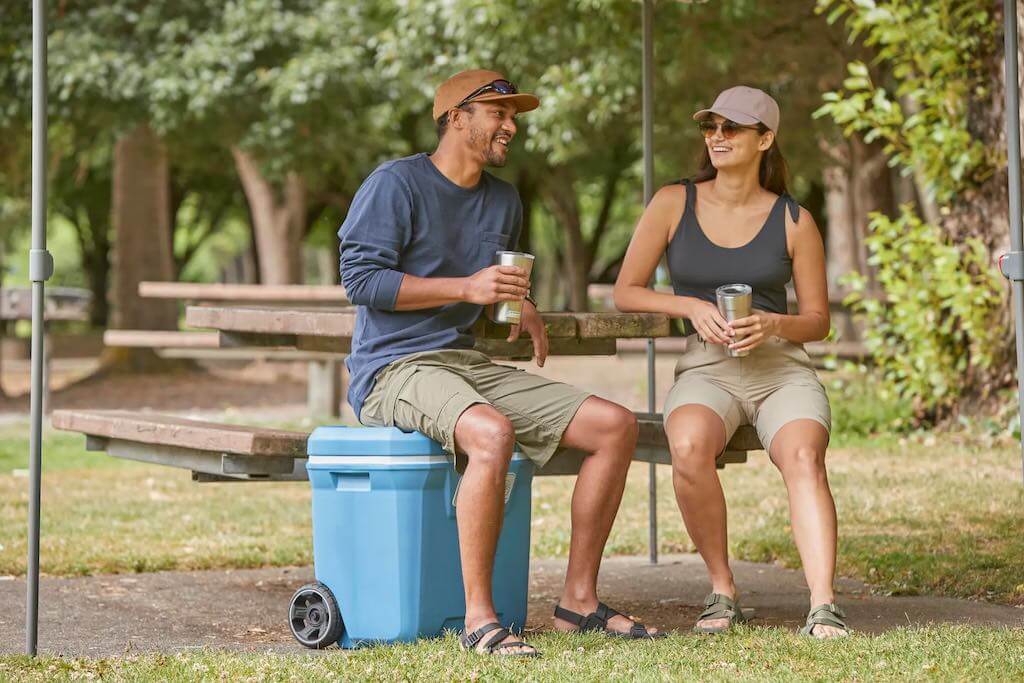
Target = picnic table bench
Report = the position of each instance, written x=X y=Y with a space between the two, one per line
x=325 y=374
x=216 y=452
x=60 y=304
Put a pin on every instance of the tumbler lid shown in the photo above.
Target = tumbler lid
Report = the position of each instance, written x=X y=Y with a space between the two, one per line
x=733 y=290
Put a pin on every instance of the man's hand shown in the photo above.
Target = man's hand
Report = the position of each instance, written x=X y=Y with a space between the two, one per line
x=496 y=283
x=531 y=323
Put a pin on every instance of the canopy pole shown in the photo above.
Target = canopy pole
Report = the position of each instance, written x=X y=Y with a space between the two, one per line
x=1012 y=264
x=40 y=268
x=648 y=145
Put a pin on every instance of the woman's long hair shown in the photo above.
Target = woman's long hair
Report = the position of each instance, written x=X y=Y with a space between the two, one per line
x=772 y=174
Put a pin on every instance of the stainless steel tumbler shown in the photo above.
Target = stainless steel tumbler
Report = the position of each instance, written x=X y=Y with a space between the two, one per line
x=734 y=302
x=510 y=312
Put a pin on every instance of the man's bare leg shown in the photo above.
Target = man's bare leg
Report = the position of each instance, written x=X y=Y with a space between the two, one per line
x=487 y=438
x=608 y=432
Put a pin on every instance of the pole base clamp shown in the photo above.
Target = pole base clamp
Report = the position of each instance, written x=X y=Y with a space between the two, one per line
x=40 y=265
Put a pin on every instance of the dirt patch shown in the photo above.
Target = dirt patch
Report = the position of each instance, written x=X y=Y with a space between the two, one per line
x=211 y=387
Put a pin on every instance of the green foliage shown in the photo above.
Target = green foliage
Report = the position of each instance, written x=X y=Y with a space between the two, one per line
x=864 y=407
x=935 y=330
x=935 y=325
x=929 y=55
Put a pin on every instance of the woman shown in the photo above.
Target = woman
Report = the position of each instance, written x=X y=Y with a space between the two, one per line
x=735 y=223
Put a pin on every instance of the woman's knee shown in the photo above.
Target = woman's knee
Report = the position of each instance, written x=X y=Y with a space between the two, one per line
x=692 y=455
x=801 y=460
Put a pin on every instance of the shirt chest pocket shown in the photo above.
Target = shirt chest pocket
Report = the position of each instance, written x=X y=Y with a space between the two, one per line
x=489 y=243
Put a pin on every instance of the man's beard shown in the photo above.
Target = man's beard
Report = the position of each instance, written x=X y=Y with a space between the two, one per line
x=492 y=157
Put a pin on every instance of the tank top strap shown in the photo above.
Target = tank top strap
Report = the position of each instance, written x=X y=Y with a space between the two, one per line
x=691 y=195
x=793 y=206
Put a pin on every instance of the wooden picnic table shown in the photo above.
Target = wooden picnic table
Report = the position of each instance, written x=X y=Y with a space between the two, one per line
x=331 y=329
x=218 y=452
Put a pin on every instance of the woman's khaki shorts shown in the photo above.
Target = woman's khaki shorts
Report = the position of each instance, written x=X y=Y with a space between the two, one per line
x=773 y=385
x=428 y=391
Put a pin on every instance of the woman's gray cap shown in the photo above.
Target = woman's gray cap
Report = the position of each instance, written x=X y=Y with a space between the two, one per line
x=745 y=105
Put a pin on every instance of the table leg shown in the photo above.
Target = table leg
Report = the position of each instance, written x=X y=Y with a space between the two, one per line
x=323 y=388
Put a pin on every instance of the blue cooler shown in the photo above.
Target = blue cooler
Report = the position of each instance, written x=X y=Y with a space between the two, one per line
x=385 y=542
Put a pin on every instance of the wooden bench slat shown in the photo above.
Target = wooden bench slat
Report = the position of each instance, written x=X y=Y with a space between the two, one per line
x=203 y=291
x=176 y=339
x=181 y=432
x=339 y=322
x=220 y=450
x=605 y=325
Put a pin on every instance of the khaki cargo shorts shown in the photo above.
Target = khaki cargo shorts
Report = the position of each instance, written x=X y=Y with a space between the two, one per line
x=428 y=391
x=773 y=385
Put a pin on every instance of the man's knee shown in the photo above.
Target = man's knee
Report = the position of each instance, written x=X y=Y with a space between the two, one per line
x=487 y=437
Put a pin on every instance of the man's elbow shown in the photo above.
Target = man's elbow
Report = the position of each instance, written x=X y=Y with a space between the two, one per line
x=357 y=289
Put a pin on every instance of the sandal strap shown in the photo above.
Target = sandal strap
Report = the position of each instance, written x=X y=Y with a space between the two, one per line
x=595 y=621
x=515 y=643
x=638 y=631
x=471 y=640
x=828 y=614
x=718 y=606
x=598 y=621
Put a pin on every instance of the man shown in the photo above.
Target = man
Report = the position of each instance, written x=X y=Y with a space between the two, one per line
x=416 y=254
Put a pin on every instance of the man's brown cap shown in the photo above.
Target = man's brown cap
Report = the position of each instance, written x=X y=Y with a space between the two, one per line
x=451 y=93
x=745 y=105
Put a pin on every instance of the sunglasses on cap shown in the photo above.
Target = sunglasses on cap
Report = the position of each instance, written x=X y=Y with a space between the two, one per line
x=500 y=86
x=730 y=129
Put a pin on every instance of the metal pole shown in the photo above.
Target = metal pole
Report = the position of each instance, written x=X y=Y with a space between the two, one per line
x=1012 y=264
x=40 y=267
x=648 y=144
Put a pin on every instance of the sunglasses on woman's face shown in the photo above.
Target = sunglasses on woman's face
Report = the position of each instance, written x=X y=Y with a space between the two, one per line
x=730 y=129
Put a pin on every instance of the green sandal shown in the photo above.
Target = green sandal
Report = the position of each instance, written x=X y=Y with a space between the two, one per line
x=828 y=614
x=718 y=606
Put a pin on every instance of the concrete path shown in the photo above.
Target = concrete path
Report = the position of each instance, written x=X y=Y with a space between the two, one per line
x=246 y=609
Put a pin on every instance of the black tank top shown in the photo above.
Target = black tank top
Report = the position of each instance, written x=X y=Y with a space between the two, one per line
x=698 y=266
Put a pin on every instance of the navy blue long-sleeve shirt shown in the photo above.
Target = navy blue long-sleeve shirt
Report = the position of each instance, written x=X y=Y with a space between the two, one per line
x=407 y=217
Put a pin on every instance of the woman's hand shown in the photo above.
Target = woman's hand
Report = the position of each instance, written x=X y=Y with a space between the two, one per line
x=751 y=331
x=709 y=323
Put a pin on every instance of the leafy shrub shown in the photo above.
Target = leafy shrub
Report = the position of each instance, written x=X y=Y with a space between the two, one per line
x=938 y=322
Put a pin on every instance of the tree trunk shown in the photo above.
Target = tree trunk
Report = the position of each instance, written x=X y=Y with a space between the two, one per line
x=564 y=205
x=279 y=219
x=857 y=183
x=141 y=219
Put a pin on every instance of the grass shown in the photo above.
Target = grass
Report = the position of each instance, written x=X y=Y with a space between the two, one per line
x=921 y=515
x=936 y=653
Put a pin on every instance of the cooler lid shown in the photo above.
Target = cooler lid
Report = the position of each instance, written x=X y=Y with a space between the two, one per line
x=356 y=441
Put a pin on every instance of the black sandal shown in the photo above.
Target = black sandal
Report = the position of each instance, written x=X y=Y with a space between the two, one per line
x=494 y=646
x=598 y=621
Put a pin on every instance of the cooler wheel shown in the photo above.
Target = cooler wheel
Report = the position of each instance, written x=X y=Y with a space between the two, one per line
x=314 y=617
